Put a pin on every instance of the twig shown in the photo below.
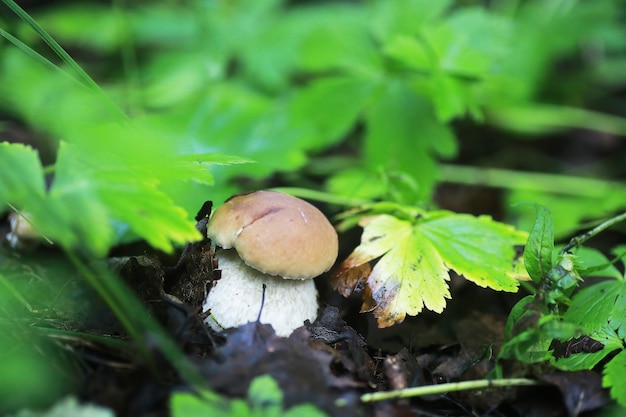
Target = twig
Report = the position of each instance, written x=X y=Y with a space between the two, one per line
x=443 y=388
x=580 y=239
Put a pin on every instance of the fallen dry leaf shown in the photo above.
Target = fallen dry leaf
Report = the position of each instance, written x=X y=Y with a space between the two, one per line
x=302 y=372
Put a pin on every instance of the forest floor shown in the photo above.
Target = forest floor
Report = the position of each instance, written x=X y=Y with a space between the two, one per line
x=329 y=363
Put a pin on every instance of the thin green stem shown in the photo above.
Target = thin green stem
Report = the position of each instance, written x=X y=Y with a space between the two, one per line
x=323 y=197
x=449 y=387
x=54 y=45
x=580 y=239
x=544 y=118
x=28 y=50
x=531 y=181
x=62 y=53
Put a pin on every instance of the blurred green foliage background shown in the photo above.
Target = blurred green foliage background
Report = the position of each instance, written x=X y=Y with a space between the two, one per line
x=362 y=100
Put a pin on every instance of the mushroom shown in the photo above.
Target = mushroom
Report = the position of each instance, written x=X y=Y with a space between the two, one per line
x=275 y=239
x=23 y=235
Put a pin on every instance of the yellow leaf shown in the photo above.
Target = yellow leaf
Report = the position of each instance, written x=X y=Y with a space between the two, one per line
x=413 y=257
x=410 y=276
x=380 y=234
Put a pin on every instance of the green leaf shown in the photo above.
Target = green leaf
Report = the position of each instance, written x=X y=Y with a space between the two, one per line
x=590 y=262
x=265 y=393
x=527 y=335
x=619 y=251
x=68 y=406
x=588 y=360
x=347 y=44
x=533 y=343
x=452 y=97
x=540 y=245
x=356 y=183
x=331 y=106
x=22 y=176
x=519 y=311
x=614 y=377
x=174 y=77
x=185 y=404
x=109 y=170
x=479 y=248
x=414 y=258
x=269 y=59
x=411 y=52
x=233 y=120
x=403 y=135
x=264 y=399
x=452 y=59
x=195 y=167
x=472 y=42
x=600 y=304
x=105 y=190
x=404 y=17
x=304 y=410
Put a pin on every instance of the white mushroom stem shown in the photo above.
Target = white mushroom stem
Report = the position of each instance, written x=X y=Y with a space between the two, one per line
x=236 y=298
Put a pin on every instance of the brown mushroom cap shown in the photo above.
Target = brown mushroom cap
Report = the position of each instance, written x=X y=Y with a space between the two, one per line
x=276 y=233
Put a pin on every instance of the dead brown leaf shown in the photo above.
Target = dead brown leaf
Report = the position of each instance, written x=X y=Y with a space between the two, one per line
x=302 y=372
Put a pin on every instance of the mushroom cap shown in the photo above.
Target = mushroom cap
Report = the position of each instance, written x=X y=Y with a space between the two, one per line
x=276 y=233
x=236 y=298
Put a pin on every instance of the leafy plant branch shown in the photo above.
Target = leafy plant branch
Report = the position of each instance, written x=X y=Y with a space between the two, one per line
x=588 y=322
